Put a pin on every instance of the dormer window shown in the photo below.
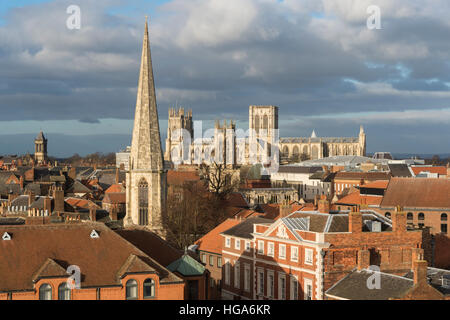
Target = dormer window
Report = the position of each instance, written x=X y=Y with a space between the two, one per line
x=6 y=236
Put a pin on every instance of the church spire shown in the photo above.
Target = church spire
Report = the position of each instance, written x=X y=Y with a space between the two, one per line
x=146 y=151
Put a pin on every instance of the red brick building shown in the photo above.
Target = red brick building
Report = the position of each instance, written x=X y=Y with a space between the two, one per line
x=37 y=259
x=302 y=255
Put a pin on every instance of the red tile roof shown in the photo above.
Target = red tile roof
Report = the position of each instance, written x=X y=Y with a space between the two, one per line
x=115 y=198
x=26 y=255
x=355 y=198
x=179 y=177
x=212 y=241
x=115 y=188
x=362 y=175
x=381 y=184
x=431 y=169
x=417 y=193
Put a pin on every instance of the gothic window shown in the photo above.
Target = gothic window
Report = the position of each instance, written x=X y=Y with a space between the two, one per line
x=266 y=123
x=143 y=202
x=257 y=124
x=285 y=152
x=315 y=153
x=296 y=151
x=305 y=150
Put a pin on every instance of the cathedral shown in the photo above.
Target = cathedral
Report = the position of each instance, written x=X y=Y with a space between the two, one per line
x=235 y=146
x=147 y=177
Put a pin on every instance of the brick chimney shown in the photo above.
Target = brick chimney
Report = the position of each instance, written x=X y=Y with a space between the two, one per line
x=31 y=197
x=399 y=220
x=355 y=221
x=21 y=182
x=93 y=213
x=48 y=205
x=285 y=209
x=420 y=271
x=58 y=199
x=363 y=259
x=324 y=205
x=417 y=254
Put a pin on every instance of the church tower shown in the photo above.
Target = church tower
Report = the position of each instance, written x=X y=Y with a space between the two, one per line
x=362 y=142
x=40 y=149
x=147 y=176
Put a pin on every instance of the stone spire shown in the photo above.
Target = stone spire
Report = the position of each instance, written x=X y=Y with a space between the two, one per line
x=314 y=135
x=146 y=151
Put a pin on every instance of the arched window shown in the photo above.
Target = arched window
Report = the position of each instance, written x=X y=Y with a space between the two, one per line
x=257 y=124
x=387 y=215
x=132 y=289
x=63 y=291
x=149 y=288
x=421 y=216
x=266 y=123
x=143 y=202
x=45 y=292
x=315 y=153
x=444 y=217
x=285 y=151
x=410 y=216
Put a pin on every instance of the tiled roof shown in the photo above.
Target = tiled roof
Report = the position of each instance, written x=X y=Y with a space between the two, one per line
x=151 y=244
x=342 y=175
x=245 y=228
x=236 y=199
x=78 y=203
x=115 y=198
x=179 y=177
x=417 y=193
x=298 y=169
x=380 y=184
x=431 y=169
x=116 y=188
x=355 y=198
x=99 y=259
x=354 y=286
x=78 y=187
x=212 y=241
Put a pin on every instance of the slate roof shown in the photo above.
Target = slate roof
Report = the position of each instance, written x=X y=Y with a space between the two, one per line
x=78 y=187
x=6 y=189
x=417 y=193
x=435 y=276
x=35 y=188
x=345 y=175
x=354 y=286
x=245 y=228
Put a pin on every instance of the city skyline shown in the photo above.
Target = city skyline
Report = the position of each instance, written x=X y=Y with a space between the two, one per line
x=332 y=85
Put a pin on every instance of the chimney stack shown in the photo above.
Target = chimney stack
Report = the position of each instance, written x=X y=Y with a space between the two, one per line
x=355 y=221
x=420 y=271
x=399 y=220
x=21 y=182
x=31 y=198
x=324 y=205
x=58 y=198
x=48 y=205
x=93 y=213
x=113 y=213
x=285 y=209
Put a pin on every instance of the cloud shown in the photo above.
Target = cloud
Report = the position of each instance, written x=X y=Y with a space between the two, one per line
x=309 y=57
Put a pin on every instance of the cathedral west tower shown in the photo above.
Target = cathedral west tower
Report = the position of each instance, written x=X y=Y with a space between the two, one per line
x=147 y=176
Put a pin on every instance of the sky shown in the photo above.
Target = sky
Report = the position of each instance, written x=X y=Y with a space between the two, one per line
x=315 y=59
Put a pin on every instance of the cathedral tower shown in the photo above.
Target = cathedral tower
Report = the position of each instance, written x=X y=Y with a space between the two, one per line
x=40 y=149
x=362 y=142
x=179 y=130
x=147 y=177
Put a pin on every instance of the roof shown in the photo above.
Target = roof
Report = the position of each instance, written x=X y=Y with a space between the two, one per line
x=179 y=177
x=417 y=193
x=151 y=244
x=115 y=198
x=245 y=228
x=355 y=198
x=187 y=266
x=298 y=169
x=399 y=170
x=380 y=184
x=99 y=259
x=212 y=241
x=116 y=188
x=78 y=203
x=354 y=286
x=439 y=170
x=40 y=136
x=78 y=187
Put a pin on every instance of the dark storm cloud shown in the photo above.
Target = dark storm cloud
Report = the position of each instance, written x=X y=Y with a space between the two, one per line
x=218 y=57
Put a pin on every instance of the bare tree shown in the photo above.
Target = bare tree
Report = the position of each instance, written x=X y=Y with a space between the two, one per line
x=192 y=211
x=219 y=179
